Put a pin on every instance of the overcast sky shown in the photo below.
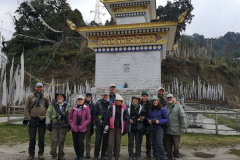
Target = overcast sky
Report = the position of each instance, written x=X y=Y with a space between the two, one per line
x=213 y=18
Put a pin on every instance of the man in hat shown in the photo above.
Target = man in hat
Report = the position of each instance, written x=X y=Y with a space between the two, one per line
x=100 y=112
x=146 y=103
x=175 y=127
x=35 y=112
x=58 y=125
x=161 y=98
x=112 y=94
x=88 y=102
x=137 y=116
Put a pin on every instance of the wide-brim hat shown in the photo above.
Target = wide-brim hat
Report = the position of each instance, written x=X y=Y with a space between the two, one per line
x=60 y=93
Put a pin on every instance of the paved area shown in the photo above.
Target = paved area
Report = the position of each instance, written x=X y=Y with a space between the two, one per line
x=20 y=152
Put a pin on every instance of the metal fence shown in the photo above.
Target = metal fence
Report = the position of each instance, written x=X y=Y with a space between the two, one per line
x=218 y=121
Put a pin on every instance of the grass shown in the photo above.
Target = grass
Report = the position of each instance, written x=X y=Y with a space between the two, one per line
x=3 y=115
x=13 y=134
x=224 y=120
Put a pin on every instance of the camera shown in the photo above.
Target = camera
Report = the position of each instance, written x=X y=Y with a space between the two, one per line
x=79 y=121
x=134 y=120
x=38 y=103
x=154 y=120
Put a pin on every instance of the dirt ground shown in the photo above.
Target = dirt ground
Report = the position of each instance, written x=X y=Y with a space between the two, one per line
x=20 y=152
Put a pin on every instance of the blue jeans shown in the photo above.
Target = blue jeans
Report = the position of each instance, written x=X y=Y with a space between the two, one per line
x=157 y=143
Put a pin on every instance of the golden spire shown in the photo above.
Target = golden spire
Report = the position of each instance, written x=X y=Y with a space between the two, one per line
x=71 y=25
x=182 y=17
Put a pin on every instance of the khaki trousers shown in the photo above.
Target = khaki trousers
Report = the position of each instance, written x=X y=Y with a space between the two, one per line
x=114 y=142
x=172 y=145
x=57 y=137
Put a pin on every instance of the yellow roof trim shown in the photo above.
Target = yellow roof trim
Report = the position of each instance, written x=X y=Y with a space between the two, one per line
x=127 y=26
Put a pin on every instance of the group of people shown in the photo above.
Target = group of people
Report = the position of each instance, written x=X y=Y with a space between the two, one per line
x=161 y=121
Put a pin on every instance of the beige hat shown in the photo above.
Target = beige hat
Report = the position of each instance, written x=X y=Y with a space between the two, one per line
x=161 y=88
x=118 y=98
x=80 y=97
x=112 y=85
x=169 y=96
x=105 y=93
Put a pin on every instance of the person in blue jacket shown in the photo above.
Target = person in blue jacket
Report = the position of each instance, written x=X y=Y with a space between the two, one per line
x=157 y=117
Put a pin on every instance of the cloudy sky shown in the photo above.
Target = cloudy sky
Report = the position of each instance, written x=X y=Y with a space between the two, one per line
x=213 y=18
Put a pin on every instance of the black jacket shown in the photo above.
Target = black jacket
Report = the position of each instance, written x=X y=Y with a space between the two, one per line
x=100 y=111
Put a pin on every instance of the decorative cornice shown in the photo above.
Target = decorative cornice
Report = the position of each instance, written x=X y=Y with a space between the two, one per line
x=130 y=9
x=129 y=4
x=128 y=40
x=112 y=1
x=128 y=49
x=127 y=32
x=130 y=14
x=127 y=26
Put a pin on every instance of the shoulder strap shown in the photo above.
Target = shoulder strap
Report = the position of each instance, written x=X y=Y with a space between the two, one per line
x=171 y=110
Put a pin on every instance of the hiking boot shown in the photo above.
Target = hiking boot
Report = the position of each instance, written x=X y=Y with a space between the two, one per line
x=30 y=157
x=104 y=158
x=40 y=157
x=149 y=157
x=88 y=156
x=54 y=158
x=61 y=158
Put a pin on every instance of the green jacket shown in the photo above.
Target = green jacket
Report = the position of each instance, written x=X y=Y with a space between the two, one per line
x=176 y=122
x=52 y=116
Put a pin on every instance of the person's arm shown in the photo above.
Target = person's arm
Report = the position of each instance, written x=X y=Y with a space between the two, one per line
x=107 y=118
x=95 y=113
x=164 y=119
x=70 y=117
x=26 y=109
x=126 y=121
x=182 y=118
x=143 y=114
x=67 y=112
x=88 y=118
x=49 y=115
x=92 y=114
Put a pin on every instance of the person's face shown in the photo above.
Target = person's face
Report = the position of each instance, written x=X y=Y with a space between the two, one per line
x=161 y=92
x=135 y=101
x=112 y=90
x=39 y=89
x=60 y=98
x=118 y=103
x=155 y=102
x=170 y=100
x=89 y=97
x=144 y=98
x=80 y=101
x=105 y=97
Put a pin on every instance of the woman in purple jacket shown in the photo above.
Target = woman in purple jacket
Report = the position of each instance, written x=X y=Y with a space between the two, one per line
x=79 y=118
x=157 y=117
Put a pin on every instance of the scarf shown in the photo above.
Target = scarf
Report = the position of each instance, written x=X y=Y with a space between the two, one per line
x=104 y=101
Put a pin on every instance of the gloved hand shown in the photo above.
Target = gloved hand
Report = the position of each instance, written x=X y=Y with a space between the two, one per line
x=124 y=133
x=95 y=128
x=68 y=128
x=25 y=121
x=49 y=127
x=105 y=131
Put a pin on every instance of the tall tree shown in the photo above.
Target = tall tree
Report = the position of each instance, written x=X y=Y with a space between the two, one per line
x=173 y=10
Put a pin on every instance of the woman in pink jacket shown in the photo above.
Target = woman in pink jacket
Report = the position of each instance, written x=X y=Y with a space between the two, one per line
x=79 y=118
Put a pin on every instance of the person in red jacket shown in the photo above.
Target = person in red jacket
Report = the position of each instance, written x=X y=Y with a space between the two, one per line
x=79 y=118
x=117 y=124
